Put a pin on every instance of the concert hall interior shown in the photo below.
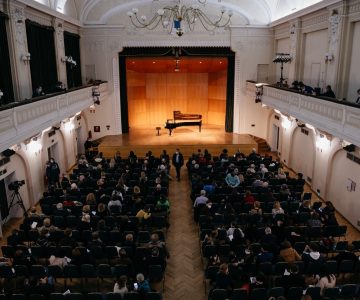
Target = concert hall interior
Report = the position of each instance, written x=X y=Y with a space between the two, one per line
x=179 y=149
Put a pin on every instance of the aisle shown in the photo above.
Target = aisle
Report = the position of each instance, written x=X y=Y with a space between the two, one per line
x=184 y=272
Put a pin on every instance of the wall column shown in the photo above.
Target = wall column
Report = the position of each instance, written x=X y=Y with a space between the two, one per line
x=18 y=47
x=295 y=27
x=60 y=49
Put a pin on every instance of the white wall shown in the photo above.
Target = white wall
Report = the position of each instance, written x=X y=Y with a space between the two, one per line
x=346 y=202
x=354 y=74
x=314 y=69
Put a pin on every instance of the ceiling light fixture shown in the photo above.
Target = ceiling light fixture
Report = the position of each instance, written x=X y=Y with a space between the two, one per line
x=172 y=18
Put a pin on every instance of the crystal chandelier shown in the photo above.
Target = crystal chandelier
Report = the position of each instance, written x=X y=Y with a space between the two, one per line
x=173 y=18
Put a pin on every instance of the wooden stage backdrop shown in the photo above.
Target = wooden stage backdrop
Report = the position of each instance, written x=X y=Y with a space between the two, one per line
x=152 y=97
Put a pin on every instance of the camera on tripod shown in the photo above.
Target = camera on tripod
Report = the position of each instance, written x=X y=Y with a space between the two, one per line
x=15 y=185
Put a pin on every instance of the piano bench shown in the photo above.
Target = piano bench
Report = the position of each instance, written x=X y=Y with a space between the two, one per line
x=158 y=130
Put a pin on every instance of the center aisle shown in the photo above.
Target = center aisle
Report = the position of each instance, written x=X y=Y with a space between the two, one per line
x=184 y=272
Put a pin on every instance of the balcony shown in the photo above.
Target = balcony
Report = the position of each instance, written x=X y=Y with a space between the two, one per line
x=20 y=120
x=339 y=118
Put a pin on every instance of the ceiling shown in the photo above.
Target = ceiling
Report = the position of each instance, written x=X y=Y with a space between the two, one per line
x=185 y=65
x=113 y=12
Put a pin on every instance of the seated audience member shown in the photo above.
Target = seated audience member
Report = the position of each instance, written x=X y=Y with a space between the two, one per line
x=277 y=209
x=90 y=199
x=280 y=174
x=249 y=198
x=265 y=255
x=144 y=213
x=295 y=85
x=143 y=286
x=232 y=180
x=269 y=238
x=314 y=220
x=43 y=286
x=156 y=242
x=163 y=204
x=292 y=278
x=328 y=92
x=306 y=89
x=58 y=87
x=68 y=240
x=288 y=253
x=38 y=92
x=305 y=207
x=358 y=97
x=258 y=282
x=120 y=286
x=58 y=259
x=311 y=254
x=47 y=225
x=201 y=199
x=256 y=210
x=15 y=238
x=114 y=201
x=20 y=258
x=223 y=279
x=326 y=280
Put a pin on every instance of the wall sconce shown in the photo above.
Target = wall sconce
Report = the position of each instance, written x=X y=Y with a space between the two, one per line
x=108 y=127
x=69 y=60
x=286 y=123
x=92 y=109
x=34 y=145
x=26 y=57
x=328 y=58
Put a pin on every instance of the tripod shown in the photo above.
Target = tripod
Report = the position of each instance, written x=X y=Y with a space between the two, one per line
x=17 y=200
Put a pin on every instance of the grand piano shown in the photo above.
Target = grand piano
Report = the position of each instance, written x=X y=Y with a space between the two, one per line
x=187 y=120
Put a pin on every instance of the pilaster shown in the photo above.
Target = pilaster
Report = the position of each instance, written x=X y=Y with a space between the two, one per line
x=18 y=48
x=295 y=43
x=58 y=24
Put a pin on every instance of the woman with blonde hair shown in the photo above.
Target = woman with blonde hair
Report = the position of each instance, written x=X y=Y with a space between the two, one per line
x=90 y=199
x=256 y=210
x=277 y=209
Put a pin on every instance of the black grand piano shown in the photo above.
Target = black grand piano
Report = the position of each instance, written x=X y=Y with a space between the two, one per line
x=187 y=120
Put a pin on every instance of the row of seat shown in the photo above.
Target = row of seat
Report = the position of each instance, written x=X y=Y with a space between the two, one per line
x=80 y=296
x=346 y=291
x=278 y=269
x=155 y=272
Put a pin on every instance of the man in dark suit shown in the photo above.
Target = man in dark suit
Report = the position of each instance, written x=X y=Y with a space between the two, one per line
x=178 y=162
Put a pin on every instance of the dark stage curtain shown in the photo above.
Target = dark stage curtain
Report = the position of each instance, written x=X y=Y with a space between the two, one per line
x=41 y=46
x=72 y=48
x=5 y=68
x=185 y=51
x=123 y=95
x=229 y=116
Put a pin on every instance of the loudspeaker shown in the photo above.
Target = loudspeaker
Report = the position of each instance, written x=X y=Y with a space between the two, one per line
x=350 y=148
x=8 y=152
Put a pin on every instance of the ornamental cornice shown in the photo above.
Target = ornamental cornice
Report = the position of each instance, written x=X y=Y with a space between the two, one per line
x=38 y=17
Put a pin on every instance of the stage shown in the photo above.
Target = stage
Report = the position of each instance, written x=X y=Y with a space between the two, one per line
x=188 y=139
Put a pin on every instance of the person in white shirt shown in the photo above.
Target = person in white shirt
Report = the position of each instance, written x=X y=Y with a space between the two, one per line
x=120 y=286
x=325 y=280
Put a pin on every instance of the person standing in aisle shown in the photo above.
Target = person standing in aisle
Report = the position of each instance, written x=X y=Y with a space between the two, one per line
x=178 y=162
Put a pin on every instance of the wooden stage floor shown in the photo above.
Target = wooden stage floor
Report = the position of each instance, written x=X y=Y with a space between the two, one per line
x=188 y=139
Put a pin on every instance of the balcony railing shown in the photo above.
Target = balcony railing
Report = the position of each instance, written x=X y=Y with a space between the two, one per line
x=21 y=120
x=339 y=118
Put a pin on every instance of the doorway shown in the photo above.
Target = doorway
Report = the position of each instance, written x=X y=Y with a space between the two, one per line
x=80 y=140
x=275 y=138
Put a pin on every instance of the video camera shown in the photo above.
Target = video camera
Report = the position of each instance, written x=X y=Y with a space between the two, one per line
x=15 y=185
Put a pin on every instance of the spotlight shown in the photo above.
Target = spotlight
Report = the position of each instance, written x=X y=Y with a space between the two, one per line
x=349 y=148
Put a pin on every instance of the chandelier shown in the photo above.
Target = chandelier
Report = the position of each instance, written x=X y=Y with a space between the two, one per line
x=172 y=18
